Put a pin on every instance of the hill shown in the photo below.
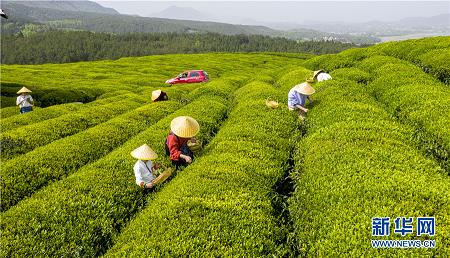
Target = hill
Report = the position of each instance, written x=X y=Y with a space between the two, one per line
x=75 y=46
x=76 y=6
x=38 y=16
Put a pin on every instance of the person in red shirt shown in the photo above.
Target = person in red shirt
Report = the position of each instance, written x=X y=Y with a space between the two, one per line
x=182 y=129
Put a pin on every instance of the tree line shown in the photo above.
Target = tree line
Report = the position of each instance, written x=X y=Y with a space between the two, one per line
x=74 y=46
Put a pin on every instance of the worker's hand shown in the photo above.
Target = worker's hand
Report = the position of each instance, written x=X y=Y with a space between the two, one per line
x=193 y=140
x=149 y=185
x=186 y=158
x=157 y=166
x=305 y=109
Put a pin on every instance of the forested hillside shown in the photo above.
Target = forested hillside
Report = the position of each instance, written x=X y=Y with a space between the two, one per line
x=63 y=47
x=41 y=16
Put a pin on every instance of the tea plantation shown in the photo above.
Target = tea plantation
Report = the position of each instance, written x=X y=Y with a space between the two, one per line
x=375 y=144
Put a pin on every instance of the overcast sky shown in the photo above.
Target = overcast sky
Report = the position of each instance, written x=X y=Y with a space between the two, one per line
x=292 y=11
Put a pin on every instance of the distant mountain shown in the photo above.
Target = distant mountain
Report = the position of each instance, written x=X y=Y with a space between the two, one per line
x=182 y=13
x=438 y=21
x=76 y=6
x=434 y=24
x=37 y=16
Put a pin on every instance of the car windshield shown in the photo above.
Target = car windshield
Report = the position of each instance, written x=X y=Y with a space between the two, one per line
x=193 y=74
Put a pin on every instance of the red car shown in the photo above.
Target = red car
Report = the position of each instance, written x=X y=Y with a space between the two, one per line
x=190 y=77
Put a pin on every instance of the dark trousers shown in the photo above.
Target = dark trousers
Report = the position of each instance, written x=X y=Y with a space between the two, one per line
x=184 y=150
x=26 y=109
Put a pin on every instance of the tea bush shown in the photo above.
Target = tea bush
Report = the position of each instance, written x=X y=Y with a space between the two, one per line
x=356 y=164
x=220 y=205
x=27 y=173
x=41 y=114
x=26 y=138
x=82 y=214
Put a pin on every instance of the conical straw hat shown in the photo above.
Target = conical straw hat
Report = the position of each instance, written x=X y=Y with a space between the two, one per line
x=184 y=126
x=144 y=153
x=156 y=94
x=24 y=90
x=304 y=88
x=316 y=73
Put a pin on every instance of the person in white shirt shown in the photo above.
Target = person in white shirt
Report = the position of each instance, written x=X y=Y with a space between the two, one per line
x=24 y=100
x=144 y=168
x=321 y=75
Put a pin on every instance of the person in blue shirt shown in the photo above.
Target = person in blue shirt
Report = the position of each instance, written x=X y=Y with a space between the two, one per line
x=297 y=98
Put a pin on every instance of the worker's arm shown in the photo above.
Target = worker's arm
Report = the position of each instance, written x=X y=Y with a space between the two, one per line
x=29 y=100
x=186 y=158
x=172 y=143
x=19 y=100
x=144 y=185
x=139 y=180
x=302 y=108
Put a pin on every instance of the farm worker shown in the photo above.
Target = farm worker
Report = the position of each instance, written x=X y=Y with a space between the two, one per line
x=24 y=100
x=321 y=75
x=182 y=129
x=144 y=168
x=158 y=95
x=297 y=98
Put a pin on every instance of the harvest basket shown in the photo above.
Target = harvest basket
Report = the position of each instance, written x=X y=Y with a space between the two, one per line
x=195 y=146
x=163 y=176
x=271 y=103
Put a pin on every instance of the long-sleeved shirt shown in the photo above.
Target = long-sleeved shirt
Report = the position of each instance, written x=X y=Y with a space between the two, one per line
x=295 y=98
x=323 y=77
x=143 y=171
x=24 y=101
x=174 y=144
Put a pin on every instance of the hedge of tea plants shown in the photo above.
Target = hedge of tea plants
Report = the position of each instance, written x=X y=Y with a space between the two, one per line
x=221 y=205
x=82 y=214
x=27 y=173
x=41 y=114
x=11 y=111
x=26 y=138
x=436 y=63
x=430 y=54
x=418 y=99
x=356 y=163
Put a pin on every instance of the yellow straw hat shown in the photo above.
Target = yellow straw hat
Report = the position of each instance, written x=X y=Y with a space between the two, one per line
x=184 y=126
x=304 y=88
x=144 y=153
x=156 y=94
x=24 y=90
x=316 y=73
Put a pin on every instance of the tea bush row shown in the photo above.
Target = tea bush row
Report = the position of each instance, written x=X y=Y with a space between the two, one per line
x=355 y=164
x=418 y=99
x=221 y=205
x=430 y=54
x=11 y=111
x=25 y=174
x=26 y=138
x=41 y=114
x=82 y=214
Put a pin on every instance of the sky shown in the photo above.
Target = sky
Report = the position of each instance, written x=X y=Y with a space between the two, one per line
x=291 y=11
